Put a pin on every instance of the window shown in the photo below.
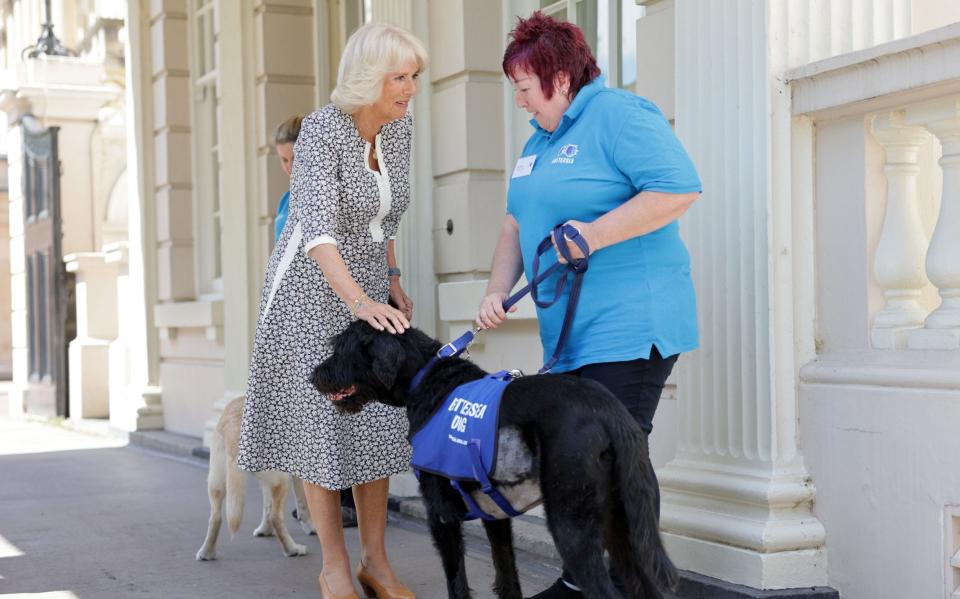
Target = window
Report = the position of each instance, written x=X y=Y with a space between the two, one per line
x=206 y=132
x=610 y=27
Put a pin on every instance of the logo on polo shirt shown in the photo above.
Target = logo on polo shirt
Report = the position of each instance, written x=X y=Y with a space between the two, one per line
x=566 y=154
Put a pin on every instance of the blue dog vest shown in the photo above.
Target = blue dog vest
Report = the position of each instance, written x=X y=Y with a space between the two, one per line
x=459 y=441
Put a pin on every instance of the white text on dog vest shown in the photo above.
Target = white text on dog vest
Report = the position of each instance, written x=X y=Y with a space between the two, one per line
x=465 y=409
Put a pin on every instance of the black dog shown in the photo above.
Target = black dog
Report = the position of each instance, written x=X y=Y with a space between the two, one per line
x=575 y=437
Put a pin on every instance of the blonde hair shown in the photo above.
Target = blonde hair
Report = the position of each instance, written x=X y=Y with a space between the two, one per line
x=371 y=52
x=288 y=131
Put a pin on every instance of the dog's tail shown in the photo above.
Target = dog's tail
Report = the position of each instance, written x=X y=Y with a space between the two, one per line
x=235 y=481
x=236 y=493
x=637 y=489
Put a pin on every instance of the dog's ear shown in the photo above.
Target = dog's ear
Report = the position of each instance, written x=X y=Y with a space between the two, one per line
x=387 y=354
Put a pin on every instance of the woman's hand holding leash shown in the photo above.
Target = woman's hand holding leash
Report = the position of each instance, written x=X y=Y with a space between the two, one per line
x=491 y=312
x=586 y=232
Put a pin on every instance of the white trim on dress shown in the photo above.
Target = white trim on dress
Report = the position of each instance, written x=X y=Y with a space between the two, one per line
x=289 y=253
x=383 y=185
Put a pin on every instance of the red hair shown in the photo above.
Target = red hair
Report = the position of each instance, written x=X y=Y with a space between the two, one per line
x=547 y=47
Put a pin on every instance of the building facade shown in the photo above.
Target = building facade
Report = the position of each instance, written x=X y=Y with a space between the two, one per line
x=82 y=96
x=809 y=442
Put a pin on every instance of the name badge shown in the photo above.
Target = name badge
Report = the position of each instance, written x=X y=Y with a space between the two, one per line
x=524 y=166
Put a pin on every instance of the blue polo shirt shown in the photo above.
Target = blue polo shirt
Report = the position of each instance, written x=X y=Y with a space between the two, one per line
x=609 y=146
x=282 y=212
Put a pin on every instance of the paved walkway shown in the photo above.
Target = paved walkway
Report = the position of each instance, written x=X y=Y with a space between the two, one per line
x=83 y=516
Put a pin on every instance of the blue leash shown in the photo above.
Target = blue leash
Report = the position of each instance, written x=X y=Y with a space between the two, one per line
x=577 y=266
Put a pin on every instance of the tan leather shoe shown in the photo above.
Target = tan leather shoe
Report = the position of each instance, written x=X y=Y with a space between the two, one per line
x=373 y=588
x=326 y=593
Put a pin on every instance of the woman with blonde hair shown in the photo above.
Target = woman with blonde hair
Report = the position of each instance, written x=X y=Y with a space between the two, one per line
x=335 y=262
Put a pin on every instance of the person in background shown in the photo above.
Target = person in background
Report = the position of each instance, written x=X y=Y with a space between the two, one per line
x=283 y=140
x=607 y=163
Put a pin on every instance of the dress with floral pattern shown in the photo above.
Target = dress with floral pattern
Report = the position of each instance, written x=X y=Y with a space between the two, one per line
x=335 y=198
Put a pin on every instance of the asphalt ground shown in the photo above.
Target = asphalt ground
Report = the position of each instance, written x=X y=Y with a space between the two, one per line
x=85 y=516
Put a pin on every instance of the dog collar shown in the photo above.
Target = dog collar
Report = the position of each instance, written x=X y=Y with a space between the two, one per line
x=450 y=350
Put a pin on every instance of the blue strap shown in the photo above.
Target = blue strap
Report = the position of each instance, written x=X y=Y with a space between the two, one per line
x=457 y=346
x=418 y=378
x=474 y=509
x=454 y=348
x=559 y=237
x=480 y=473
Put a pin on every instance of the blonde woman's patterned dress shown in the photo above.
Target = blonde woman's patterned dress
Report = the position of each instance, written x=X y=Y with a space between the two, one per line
x=335 y=198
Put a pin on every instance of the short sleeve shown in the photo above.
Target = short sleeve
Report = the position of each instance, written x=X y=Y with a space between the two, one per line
x=314 y=181
x=399 y=146
x=648 y=152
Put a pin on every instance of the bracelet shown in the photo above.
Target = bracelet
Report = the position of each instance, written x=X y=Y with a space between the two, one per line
x=393 y=271
x=358 y=303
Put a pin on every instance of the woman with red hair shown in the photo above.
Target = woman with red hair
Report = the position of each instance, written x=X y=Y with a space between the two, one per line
x=608 y=163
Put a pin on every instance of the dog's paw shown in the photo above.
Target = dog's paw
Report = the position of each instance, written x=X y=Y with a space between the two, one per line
x=206 y=556
x=296 y=550
x=263 y=531
x=307 y=527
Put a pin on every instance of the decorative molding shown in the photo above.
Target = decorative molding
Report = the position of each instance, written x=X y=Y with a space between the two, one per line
x=282 y=9
x=168 y=72
x=266 y=78
x=887 y=75
x=469 y=76
x=206 y=315
x=173 y=187
x=167 y=16
x=951 y=536
x=893 y=369
x=165 y=129
x=458 y=301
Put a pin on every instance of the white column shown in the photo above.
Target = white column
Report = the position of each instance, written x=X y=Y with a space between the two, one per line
x=134 y=404
x=396 y=12
x=737 y=497
x=898 y=263
x=467 y=155
x=942 y=327
x=655 y=57
x=238 y=182
x=18 y=276
x=823 y=28
x=96 y=298
x=135 y=397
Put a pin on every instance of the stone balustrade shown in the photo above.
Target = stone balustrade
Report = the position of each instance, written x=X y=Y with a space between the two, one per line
x=907 y=259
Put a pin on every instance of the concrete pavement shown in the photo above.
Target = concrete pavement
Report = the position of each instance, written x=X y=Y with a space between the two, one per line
x=84 y=516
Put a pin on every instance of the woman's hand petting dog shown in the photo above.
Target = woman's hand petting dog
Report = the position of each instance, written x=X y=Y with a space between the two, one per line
x=383 y=317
